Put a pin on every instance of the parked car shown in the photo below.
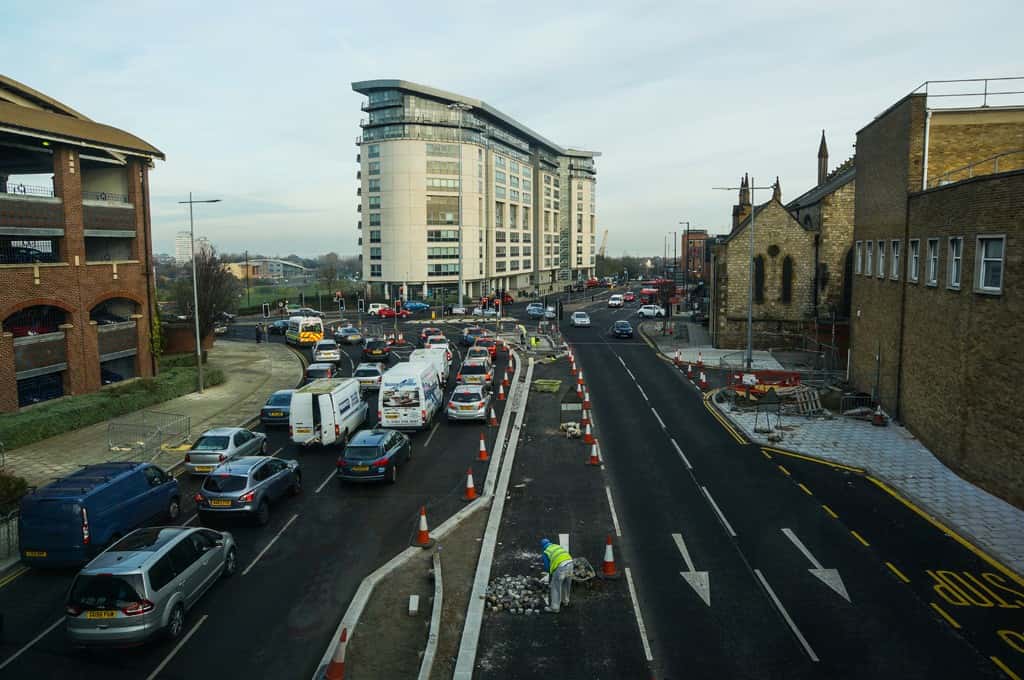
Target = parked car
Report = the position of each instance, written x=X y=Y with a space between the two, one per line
x=615 y=300
x=489 y=343
x=222 y=444
x=475 y=372
x=144 y=585
x=629 y=296
x=389 y=313
x=470 y=402
x=277 y=408
x=69 y=520
x=428 y=332
x=376 y=349
x=650 y=312
x=374 y=455
x=621 y=329
x=326 y=412
x=308 y=311
x=319 y=371
x=247 y=486
x=368 y=374
x=278 y=327
x=580 y=320
x=348 y=334
x=470 y=334
x=326 y=351
x=415 y=306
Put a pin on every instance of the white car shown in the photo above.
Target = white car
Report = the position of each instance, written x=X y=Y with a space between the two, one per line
x=375 y=307
x=580 y=319
x=458 y=310
x=326 y=351
x=369 y=375
x=480 y=311
x=439 y=342
x=650 y=312
x=615 y=301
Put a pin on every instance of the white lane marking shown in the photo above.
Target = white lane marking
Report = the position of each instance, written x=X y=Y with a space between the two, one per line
x=351 y=364
x=270 y=544
x=785 y=615
x=432 y=431
x=644 y=395
x=274 y=454
x=615 y=517
x=563 y=540
x=632 y=377
x=660 y=421
x=639 y=616
x=829 y=577
x=682 y=455
x=9 y=660
x=324 y=483
x=622 y=362
x=177 y=647
x=190 y=520
x=802 y=548
x=718 y=511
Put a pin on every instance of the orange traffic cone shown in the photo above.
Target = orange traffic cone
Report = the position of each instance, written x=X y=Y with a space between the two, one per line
x=588 y=436
x=401 y=338
x=700 y=360
x=586 y=398
x=585 y=417
x=483 y=448
x=689 y=371
x=595 y=457
x=423 y=538
x=572 y=365
x=579 y=392
x=336 y=669
x=676 y=359
x=511 y=367
x=579 y=377
x=501 y=393
x=470 y=487
x=493 y=422
x=608 y=569
x=703 y=382
x=504 y=380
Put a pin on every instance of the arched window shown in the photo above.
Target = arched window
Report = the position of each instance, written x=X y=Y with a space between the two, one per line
x=759 y=279
x=787 y=280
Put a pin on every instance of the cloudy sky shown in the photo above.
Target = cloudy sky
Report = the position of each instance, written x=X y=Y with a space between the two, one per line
x=252 y=101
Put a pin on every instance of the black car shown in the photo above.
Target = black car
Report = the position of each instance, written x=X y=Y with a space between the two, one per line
x=278 y=327
x=374 y=455
x=375 y=349
x=621 y=329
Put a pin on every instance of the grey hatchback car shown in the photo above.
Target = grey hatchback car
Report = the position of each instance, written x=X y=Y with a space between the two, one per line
x=222 y=444
x=247 y=486
x=144 y=584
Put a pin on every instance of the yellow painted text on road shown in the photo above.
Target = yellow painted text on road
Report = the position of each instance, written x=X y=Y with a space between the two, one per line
x=1014 y=638
x=965 y=589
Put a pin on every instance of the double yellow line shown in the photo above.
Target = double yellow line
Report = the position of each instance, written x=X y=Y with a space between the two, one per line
x=722 y=420
x=12 y=576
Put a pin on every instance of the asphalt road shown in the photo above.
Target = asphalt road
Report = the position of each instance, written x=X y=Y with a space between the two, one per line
x=741 y=572
x=297 y=574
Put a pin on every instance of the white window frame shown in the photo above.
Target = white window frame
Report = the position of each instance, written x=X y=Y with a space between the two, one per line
x=869 y=255
x=914 y=259
x=894 y=255
x=957 y=282
x=858 y=258
x=979 y=264
x=931 y=271
x=880 y=272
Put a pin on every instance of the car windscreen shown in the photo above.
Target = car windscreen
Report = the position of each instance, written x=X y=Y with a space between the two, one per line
x=225 y=483
x=366 y=373
x=349 y=330
x=208 y=443
x=280 y=399
x=361 y=452
x=466 y=397
x=474 y=369
x=375 y=344
x=105 y=591
x=622 y=326
x=327 y=344
x=318 y=372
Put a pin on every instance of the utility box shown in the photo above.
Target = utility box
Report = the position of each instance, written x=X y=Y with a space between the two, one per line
x=571 y=407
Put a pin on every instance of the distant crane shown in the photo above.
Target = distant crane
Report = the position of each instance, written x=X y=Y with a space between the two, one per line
x=604 y=244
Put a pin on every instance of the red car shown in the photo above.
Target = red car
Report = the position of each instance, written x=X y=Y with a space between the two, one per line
x=629 y=296
x=490 y=343
x=390 y=313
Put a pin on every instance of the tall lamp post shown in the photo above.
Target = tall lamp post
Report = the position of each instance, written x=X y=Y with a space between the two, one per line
x=195 y=284
x=750 y=291
x=686 y=267
x=461 y=108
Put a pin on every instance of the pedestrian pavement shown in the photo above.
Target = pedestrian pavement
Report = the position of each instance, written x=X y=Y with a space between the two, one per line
x=693 y=343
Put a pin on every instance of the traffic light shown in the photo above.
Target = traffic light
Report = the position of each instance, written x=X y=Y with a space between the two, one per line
x=266 y=310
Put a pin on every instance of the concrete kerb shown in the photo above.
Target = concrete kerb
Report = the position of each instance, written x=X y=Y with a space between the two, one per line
x=427 y=664
x=351 y=617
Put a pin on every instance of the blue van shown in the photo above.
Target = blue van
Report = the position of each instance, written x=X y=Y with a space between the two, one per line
x=71 y=520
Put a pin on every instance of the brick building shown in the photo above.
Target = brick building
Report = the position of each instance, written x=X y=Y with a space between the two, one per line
x=694 y=253
x=75 y=250
x=937 y=308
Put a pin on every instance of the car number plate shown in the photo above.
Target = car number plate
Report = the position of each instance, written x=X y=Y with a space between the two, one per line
x=360 y=468
x=466 y=408
x=35 y=553
x=220 y=503
x=390 y=416
x=101 y=614
x=303 y=430
x=277 y=414
x=204 y=468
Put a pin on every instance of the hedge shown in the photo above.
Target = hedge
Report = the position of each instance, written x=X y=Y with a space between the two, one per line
x=71 y=413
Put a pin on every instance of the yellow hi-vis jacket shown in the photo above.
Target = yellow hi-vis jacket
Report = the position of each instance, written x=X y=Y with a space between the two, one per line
x=557 y=555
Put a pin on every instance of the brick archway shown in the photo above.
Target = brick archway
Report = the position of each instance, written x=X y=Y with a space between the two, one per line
x=112 y=294
x=7 y=312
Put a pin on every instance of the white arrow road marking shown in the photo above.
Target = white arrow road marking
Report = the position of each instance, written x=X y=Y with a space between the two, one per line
x=829 y=577
x=681 y=454
x=700 y=581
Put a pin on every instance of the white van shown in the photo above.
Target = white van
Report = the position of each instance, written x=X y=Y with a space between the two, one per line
x=326 y=411
x=436 y=357
x=410 y=396
x=375 y=308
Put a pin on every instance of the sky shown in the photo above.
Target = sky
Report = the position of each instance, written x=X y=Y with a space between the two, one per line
x=252 y=101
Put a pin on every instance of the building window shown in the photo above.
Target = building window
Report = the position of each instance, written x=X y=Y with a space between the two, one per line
x=499 y=266
x=527 y=197
x=513 y=181
x=990 y=255
x=499 y=161
x=527 y=184
x=956 y=254
x=373 y=185
x=513 y=236
x=499 y=192
x=881 y=260
x=442 y=184
x=446 y=269
x=513 y=195
x=449 y=150
x=933 y=262
x=499 y=215
x=374 y=219
x=373 y=151
x=513 y=251
x=513 y=167
x=914 y=263
x=759 y=279
x=527 y=171
x=500 y=251
x=375 y=254
x=442 y=168
x=895 y=257
x=499 y=236
x=442 y=253
x=526 y=218
x=375 y=270
x=499 y=177
x=373 y=168
x=858 y=257
x=869 y=250
x=514 y=265
x=374 y=202
x=787 y=280
x=442 y=209
x=513 y=216
x=442 y=235
x=375 y=236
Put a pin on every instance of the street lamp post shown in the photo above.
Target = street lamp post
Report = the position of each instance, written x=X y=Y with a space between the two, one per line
x=686 y=266
x=195 y=284
x=461 y=108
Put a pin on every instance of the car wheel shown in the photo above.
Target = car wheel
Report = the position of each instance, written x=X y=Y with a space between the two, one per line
x=262 y=513
x=393 y=475
x=176 y=622
x=174 y=509
x=296 y=487
x=230 y=563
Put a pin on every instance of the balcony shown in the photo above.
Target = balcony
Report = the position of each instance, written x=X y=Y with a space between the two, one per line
x=359 y=207
x=39 y=354
x=359 y=173
x=109 y=220
x=359 y=224
x=104 y=196
x=359 y=158
x=359 y=191
x=117 y=340
x=382 y=102
x=23 y=206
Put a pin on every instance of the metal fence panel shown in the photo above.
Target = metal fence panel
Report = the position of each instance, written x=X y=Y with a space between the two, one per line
x=145 y=433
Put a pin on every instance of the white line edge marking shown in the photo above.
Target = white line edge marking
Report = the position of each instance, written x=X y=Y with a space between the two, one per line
x=615 y=517
x=563 y=540
x=274 y=454
x=802 y=548
x=9 y=660
x=190 y=519
x=622 y=362
x=660 y=421
x=633 y=377
x=718 y=511
x=177 y=647
x=639 y=616
x=324 y=483
x=678 y=538
x=785 y=615
x=432 y=431
x=681 y=454
x=642 y=393
x=270 y=544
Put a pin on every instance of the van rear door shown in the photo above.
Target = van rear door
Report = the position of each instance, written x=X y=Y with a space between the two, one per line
x=50 y=531
x=328 y=419
x=301 y=418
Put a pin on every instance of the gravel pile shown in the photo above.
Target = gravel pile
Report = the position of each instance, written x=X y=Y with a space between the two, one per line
x=516 y=594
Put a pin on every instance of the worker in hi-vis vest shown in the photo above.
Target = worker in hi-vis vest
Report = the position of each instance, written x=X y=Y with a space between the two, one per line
x=558 y=563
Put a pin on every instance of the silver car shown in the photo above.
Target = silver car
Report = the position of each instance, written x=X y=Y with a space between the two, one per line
x=222 y=444
x=144 y=584
x=248 y=486
x=470 y=402
x=580 y=320
x=326 y=351
x=369 y=374
x=475 y=372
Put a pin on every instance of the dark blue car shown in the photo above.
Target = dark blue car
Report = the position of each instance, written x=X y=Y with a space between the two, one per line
x=277 y=409
x=621 y=329
x=416 y=306
x=374 y=455
x=71 y=520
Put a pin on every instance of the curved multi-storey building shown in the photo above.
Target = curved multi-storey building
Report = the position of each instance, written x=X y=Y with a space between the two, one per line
x=437 y=169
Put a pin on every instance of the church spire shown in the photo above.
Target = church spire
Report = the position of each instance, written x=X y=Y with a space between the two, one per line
x=745 y=191
x=777 y=190
x=822 y=159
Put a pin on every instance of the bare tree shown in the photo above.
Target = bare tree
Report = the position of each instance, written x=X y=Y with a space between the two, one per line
x=218 y=290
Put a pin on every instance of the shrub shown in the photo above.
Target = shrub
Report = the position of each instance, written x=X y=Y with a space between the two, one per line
x=12 y=488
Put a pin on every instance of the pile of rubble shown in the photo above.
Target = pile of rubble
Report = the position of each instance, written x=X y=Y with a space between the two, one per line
x=517 y=594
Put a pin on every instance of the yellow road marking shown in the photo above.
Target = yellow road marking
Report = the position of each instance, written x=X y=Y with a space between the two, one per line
x=899 y=574
x=811 y=459
x=784 y=470
x=860 y=538
x=830 y=511
x=1003 y=667
x=13 y=575
x=766 y=454
x=943 y=614
x=1009 y=573
x=724 y=423
x=805 y=489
